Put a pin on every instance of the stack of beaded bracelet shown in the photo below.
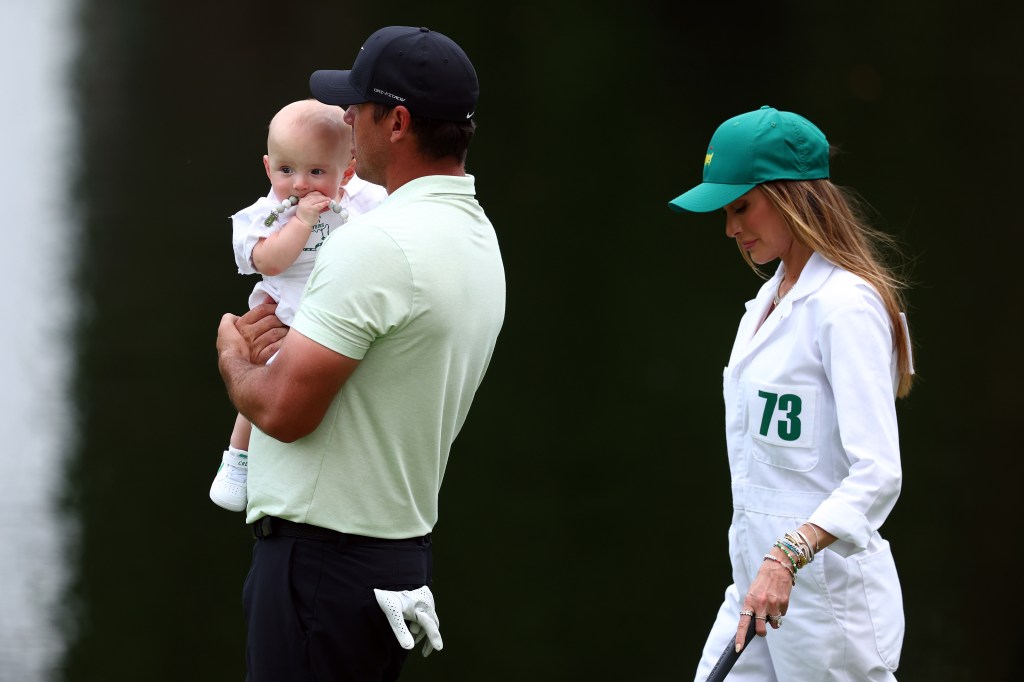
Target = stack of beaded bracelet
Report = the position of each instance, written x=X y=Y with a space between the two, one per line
x=797 y=549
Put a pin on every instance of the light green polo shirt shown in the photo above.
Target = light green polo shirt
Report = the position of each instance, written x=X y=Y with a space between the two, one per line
x=415 y=290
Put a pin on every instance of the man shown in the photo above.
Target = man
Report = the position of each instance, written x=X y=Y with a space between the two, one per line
x=357 y=412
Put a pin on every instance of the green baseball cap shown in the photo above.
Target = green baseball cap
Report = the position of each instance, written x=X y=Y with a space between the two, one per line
x=752 y=148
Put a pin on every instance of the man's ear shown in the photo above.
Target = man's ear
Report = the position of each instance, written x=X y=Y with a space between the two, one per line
x=401 y=122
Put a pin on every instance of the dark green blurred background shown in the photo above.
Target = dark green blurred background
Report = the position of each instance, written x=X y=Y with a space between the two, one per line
x=583 y=517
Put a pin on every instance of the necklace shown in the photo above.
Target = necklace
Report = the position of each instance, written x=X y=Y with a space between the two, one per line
x=778 y=297
x=291 y=201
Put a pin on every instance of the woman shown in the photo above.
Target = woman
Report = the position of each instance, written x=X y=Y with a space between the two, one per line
x=819 y=357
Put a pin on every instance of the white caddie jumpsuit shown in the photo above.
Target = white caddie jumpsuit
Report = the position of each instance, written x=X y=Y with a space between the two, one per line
x=812 y=436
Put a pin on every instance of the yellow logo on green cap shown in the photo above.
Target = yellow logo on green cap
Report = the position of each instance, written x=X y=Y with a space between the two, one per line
x=708 y=157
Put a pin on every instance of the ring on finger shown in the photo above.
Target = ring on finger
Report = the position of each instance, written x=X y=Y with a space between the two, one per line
x=746 y=613
x=764 y=617
x=776 y=620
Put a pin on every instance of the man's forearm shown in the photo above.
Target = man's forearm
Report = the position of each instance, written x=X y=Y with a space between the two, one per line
x=242 y=379
x=261 y=394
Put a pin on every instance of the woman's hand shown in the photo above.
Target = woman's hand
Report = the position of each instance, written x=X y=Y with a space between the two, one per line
x=768 y=598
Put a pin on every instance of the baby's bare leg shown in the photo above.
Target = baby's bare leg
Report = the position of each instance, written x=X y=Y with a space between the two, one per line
x=240 y=434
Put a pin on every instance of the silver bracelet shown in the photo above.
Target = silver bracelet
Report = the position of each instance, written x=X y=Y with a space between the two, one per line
x=817 y=542
x=779 y=561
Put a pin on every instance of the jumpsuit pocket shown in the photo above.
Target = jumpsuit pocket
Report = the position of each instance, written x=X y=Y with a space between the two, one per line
x=781 y=422
x=794 y=459
x=885 y=604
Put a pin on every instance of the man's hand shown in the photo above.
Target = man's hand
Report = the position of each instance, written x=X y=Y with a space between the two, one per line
x=417 y=607
x=262 y=331
x=229 y=341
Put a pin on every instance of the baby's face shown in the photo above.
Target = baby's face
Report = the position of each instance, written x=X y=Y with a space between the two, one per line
x=298 y=163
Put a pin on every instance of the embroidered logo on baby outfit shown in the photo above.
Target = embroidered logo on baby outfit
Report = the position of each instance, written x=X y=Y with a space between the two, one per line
x=324 y=230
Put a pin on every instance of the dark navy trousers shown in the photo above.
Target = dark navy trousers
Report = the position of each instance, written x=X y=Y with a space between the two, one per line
x=311 y=612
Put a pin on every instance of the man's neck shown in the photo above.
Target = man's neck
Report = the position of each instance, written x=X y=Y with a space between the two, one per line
x=399 y=175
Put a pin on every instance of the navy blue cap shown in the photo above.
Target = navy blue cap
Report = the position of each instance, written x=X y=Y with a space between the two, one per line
x=423 y=70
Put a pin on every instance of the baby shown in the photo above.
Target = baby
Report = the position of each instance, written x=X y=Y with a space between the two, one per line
x=313 y=191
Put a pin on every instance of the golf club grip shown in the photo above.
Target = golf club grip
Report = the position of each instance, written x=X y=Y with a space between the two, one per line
x=729 y=656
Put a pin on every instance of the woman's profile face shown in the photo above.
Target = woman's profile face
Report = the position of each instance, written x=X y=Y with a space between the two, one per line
x=758 y=227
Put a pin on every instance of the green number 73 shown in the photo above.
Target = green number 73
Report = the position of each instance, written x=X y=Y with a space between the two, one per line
x=789 y=423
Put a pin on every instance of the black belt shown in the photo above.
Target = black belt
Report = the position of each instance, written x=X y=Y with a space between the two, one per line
x=271 y=525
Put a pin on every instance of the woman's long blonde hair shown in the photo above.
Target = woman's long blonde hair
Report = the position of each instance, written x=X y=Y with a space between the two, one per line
x=830 y=220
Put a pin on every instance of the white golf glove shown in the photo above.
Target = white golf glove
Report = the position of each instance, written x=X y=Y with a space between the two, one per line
x=417 y=607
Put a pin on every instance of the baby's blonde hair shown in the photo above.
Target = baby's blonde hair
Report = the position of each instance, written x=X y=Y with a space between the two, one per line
x=323 y=120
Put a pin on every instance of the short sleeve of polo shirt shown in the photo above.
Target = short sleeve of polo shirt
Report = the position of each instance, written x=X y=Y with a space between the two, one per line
x=360 y=290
